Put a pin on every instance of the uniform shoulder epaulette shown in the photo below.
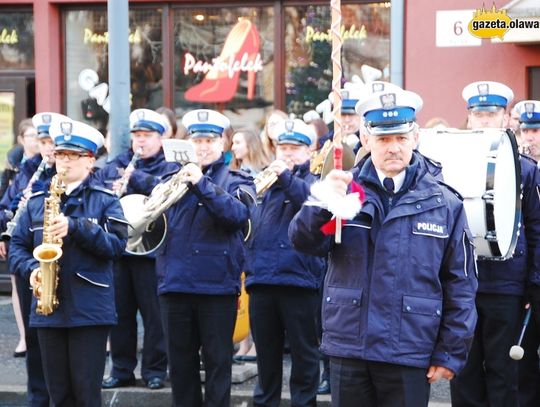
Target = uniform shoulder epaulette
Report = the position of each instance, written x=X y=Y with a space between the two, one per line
x=451 y=189
x=102 y=189
x=433 y=162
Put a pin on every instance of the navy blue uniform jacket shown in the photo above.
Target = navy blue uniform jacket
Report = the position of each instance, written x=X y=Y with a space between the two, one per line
x=204 y=250
x=400 y=288
x=271 y=258
x=97 y=235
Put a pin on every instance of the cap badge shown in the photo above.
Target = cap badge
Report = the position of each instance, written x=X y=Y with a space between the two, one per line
x=483 y=89
x=388 y=100
x=47 y=118
x=140 y=114
x=289 y=126
x=202 y=116
x=344 y=94
x=529 y=109
x=66 y=128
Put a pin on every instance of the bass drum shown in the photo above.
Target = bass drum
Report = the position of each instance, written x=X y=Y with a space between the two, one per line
x=483 y=166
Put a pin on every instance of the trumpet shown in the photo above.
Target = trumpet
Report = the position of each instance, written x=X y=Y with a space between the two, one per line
x=264 y=181
x=317 y=161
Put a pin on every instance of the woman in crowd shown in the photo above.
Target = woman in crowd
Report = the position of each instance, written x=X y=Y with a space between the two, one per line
x=268 y=136
x=248 y=150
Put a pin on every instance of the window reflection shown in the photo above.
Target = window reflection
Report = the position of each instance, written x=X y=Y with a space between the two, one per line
x=86 y=59
x=308 y=65
x=16 y=40
x=223 y=58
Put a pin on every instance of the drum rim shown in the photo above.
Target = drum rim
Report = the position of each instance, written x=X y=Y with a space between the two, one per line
x=489 y=207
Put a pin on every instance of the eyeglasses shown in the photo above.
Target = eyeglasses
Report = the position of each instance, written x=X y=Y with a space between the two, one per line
x=61 y=155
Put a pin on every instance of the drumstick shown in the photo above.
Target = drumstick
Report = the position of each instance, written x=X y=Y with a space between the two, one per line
x=516 y=351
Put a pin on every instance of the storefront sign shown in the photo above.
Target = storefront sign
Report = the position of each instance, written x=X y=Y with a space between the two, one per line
x=351 y=33
x=7 y=37
x=90 y=37
x=230 y=66
x=240 y=53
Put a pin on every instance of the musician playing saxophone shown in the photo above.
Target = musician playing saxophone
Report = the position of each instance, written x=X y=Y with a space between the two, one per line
x=34 y=176
x=199 y=266
x=93 y=231
x=135 y=277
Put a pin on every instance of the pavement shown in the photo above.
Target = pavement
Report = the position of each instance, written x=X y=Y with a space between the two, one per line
x=13 y=378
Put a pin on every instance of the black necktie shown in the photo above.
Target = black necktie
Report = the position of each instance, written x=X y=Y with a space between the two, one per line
x=389 y=185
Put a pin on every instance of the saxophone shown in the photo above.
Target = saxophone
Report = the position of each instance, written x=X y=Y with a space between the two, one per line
x=48 y=253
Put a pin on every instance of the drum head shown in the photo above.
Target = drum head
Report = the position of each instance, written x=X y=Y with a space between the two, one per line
x=483 y=166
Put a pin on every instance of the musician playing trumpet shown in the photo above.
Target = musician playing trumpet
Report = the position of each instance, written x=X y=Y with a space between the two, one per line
x=138 y=171
x=199 y=266
x=283 y=283
x=90 y=223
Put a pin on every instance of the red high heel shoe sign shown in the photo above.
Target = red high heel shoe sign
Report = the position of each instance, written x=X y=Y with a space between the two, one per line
x=240 y=53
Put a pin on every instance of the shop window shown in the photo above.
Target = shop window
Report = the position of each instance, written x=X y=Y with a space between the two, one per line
x=16 y=40
x=86 y=62
x=223 y=59
x=308 y=44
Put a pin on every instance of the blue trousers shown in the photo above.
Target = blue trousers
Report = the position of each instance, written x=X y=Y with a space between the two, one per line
x=490 y=376
x=194 y=323
x=36 y=388
x=73 y=363
x=361 y=383
x=136 y=290
x=276 y=312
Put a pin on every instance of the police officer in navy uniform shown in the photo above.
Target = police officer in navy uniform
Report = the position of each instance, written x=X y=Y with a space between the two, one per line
x=199 y=266
x=529 y=366
x=529 y=117
x=398 y=304
x=282 y=282
x=135 y=277
x=19 y=189
x=350 y=94
x=91 y=224
x=490 y=376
